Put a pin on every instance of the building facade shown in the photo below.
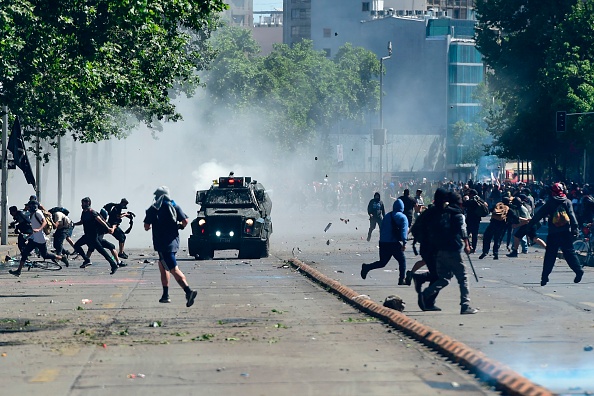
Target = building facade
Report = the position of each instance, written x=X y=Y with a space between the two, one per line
x=428 y=83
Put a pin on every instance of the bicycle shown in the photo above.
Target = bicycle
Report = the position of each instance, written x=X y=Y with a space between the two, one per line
x=583 y=246
x=40 y=264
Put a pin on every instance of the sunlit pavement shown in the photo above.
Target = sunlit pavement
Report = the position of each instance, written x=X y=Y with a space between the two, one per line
x=257 y=328
x=543 y=333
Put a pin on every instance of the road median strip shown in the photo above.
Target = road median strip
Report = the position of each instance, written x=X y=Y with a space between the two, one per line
x=487 y=370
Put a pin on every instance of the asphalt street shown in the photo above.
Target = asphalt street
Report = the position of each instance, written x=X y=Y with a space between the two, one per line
x=258 y=327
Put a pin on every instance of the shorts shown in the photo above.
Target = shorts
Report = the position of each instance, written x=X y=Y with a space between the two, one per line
x=530 y=232
x=119 y=235
x=168 y=260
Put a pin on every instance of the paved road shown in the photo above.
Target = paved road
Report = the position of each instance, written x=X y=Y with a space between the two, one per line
x=544 y=333
x=260 y=328
x=257 y=328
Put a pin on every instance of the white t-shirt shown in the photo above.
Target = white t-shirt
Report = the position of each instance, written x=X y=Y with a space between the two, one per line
x=39 y=236
x=61 y=220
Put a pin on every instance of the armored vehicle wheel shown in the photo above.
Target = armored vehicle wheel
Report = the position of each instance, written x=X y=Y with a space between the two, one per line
x=265 y=249
x=205 y=253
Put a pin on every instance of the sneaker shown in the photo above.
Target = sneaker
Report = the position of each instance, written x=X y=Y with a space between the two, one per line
x=114 y=268
x=122 y=264
x=467 y=310
x=16 y=273
x=514 y=253
x=524 y=251
x=368 y=239
x=495 y=257
x=190 y=297
x=408 y=278
x=432 y=308
x=544 y=281
x=578 y=277
x=123 y=255
x=364 y=271
x=86 y=264
x=165 y=299
x=401 y=282
x=64 y=259
x=482 y=256
x=472 y=251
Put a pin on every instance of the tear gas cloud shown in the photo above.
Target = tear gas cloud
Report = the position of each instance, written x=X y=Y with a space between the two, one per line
x=186 y=157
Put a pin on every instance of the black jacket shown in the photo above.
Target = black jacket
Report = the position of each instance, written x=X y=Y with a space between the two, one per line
x=549 y=208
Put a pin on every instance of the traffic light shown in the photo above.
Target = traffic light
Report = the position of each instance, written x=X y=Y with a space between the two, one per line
x=561 y=115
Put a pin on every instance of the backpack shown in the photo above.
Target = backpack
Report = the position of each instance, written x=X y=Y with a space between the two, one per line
x=49 y=222
x=500 y=212
x=560 y=216
x=59 y=209
x=108 y=207
x=482 y=209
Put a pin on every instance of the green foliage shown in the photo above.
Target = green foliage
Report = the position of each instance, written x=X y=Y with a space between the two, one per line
x=539 y=56
x=296 y=91
x=93 y=68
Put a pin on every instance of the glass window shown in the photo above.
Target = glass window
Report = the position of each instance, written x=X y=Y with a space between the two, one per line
x=365 y=6
x=328 y=52
x=471 y=74
x=327 y=32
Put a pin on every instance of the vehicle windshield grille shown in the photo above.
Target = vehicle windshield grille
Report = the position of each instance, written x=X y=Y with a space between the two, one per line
x=229 y=197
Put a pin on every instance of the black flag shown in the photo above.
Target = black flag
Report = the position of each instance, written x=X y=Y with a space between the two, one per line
x=16 y=145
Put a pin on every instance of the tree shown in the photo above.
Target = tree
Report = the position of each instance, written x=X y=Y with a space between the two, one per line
x=296 y=92
x=84 y=67
x=515 y=38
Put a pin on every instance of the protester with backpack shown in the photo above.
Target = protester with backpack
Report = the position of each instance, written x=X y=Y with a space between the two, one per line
x=93 y=224
x=166 y=218
x=114 y=218
x=522 y=229
x=476 y=208
x=376 y=212
x=392 y=242
x=63 y=226
x=37 y=240
x=451 y=240
x=495 y=230
x=424 y=231
x=563 y=227
x=22 y=226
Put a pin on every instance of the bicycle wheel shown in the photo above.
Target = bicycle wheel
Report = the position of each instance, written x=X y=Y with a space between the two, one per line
x=581 y=249
x=47 y=265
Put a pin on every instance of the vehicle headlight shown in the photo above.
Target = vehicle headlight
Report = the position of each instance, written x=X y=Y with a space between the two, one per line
x=249 y=222
x=218 y=233
x=201 y=222
x=231 y=233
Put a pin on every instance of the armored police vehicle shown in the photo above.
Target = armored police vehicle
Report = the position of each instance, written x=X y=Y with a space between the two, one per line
x=234 y=214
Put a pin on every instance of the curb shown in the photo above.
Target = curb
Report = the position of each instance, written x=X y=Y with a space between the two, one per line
x=487 y=370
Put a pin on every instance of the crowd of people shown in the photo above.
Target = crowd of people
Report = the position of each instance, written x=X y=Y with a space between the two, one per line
x=35 y=224
x=449 y=226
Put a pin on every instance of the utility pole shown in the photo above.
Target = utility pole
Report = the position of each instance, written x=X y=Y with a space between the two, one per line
x=381 y=114
x=3 y=209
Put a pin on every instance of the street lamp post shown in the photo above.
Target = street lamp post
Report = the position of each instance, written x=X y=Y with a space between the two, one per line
x=381 y=112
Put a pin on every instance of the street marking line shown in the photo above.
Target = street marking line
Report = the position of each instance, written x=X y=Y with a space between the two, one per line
x=590 y=304
x=109 y=305
x=47 y=375
x=116 y=295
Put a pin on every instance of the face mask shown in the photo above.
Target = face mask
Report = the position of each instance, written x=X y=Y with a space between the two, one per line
x=85 y=205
